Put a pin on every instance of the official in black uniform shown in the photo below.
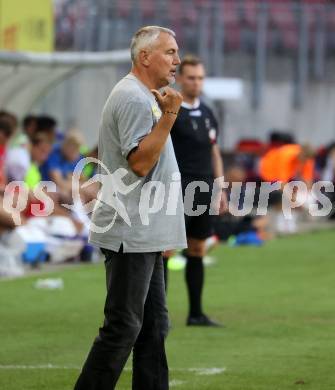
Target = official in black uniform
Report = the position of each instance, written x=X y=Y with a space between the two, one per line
x=194 y=136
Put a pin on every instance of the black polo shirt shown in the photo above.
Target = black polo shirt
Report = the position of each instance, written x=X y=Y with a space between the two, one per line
x=193 y=135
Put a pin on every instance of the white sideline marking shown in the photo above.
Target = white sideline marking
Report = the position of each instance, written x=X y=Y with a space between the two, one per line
x=49 y=366
x=208 y=371
x=175 y=383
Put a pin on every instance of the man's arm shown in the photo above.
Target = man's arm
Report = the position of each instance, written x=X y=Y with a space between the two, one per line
x=143 y=158
x=57 y=177
x=219 y=172
x=217 y=161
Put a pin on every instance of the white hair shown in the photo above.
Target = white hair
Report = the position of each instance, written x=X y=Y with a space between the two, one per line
x=145 y=37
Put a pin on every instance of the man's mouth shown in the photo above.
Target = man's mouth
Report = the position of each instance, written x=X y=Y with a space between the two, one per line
x=173 y=72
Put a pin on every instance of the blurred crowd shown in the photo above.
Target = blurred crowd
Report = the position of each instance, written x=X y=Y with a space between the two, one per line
x=280 y=159
x=32 y=152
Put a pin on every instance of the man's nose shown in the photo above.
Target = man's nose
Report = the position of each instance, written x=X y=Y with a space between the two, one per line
x=176 y=60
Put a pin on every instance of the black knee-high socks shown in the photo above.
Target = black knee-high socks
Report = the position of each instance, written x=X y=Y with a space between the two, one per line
x=194 y=277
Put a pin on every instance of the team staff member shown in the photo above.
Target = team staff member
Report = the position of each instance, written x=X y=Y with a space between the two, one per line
x=288 y=162
x=135 y=136
x=194 y=137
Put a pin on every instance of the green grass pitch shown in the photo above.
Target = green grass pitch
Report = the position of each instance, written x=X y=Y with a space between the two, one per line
x=277 y=301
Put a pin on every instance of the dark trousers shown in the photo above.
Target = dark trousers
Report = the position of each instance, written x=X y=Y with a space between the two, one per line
x=135 y=319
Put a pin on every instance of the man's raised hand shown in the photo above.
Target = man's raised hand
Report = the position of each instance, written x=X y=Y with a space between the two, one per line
x=170 y=101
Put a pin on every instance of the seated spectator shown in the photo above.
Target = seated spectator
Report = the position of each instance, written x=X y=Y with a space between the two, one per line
x=62 y=162
x=32 y=125
x=23 y=163
x=5 y=133
x=60 y=166
x=10 y=118
x=279 y=138
x=47 y=125
x=284 y=164
x=29 y=125
x=288 y=162
x=8 y=125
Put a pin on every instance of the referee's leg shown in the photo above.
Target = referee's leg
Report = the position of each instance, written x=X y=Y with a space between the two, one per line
x=128 y=279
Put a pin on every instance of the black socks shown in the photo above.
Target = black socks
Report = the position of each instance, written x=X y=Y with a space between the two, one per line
x=194 y=277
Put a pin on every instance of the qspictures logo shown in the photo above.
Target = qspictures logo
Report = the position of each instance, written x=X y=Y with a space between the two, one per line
x=158 y=197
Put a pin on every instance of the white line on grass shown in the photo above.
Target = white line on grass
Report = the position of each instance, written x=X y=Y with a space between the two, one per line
x=49 y=366
x=208 y=371
x=175 y=383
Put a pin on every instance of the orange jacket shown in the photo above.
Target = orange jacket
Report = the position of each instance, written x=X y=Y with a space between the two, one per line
x=283 y=164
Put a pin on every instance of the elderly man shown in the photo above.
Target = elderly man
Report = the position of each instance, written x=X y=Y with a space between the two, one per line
x=135 y=136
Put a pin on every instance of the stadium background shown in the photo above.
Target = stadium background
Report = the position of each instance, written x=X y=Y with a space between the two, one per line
x=283 y=51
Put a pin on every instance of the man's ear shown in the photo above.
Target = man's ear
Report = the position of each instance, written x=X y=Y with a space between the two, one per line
x=144 y=57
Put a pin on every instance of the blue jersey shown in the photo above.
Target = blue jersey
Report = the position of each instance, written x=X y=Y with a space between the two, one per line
x=57 y=162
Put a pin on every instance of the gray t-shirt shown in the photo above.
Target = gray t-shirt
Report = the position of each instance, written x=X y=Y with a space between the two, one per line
x=150 y=212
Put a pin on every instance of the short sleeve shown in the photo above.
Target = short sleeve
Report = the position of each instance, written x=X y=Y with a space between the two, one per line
x=134 y=123
x=214 y=130
x=215 y=122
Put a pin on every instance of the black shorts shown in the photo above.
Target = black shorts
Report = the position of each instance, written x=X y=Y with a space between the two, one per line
x=199 y=226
